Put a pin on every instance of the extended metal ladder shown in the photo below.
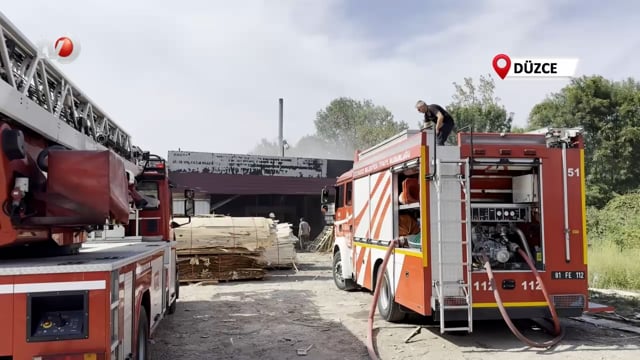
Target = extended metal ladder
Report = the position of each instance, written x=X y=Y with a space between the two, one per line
x=37 y=95
x=448 y=244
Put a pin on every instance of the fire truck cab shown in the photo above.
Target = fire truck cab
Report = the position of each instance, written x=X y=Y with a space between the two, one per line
x=455 y=209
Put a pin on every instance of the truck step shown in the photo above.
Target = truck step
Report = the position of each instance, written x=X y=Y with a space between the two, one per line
x=464 y=328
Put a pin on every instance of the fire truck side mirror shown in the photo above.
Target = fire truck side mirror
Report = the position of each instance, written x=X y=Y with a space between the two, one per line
x=189 y=194
x=324 y=196
x=189 y=207
x=189 y=202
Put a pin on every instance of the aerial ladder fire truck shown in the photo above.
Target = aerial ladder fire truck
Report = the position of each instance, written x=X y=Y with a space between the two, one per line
x=68 y=172
x=493 y=227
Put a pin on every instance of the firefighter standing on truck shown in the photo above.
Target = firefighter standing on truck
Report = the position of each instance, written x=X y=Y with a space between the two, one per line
x=437 y=114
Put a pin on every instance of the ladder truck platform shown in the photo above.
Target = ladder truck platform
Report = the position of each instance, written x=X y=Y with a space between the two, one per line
x=94 y=256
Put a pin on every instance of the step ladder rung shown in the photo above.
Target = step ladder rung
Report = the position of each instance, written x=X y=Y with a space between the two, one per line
x=453 y=242
x=464 y=328
x=453 y=286
x=454 y=282
x=460 y=162
x=452 y=221
x=452 y=201
x=456 y=307
x=450 y=263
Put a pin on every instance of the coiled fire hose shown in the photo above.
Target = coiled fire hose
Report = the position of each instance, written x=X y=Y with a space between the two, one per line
x=374 y=303
x=558 y=331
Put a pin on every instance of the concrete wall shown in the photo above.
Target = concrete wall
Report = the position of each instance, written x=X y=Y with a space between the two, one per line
x=237 y=164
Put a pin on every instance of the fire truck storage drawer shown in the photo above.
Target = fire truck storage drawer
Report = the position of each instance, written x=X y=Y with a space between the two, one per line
x=525 y=188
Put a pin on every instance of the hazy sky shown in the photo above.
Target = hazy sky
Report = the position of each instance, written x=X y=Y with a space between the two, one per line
x=206 y=75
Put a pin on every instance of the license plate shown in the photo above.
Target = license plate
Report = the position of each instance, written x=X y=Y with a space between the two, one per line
x=567 y=275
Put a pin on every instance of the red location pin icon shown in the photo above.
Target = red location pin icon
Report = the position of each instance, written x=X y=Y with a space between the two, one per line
x=502 y=71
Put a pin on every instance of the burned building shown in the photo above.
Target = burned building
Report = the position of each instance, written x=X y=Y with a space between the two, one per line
x=254 y=185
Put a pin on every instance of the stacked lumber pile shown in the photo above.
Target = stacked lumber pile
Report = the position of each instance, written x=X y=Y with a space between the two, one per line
x=323 y=242
x=208 y=231
x=214 y=247
x=283 y=253
x=216 y=263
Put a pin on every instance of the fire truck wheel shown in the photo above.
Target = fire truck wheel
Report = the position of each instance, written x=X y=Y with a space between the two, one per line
x=172 y=308
x=142 y=347
x=341 y=282
x=387 y=306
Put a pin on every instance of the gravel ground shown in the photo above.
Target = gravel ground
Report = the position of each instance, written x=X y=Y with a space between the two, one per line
x=272 y=318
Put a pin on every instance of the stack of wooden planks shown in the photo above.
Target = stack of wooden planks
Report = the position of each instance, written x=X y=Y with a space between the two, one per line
x=283 y=253
x=214 y=247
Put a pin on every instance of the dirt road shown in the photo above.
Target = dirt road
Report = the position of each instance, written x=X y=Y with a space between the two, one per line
x=271 y=319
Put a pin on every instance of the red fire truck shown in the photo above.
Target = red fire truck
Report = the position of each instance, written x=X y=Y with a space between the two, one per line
x=494 y=226
x=68 y=171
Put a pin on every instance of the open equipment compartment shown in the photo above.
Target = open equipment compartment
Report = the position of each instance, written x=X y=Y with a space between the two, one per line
x=57 y=316
x=406 y=200
x=505 y=210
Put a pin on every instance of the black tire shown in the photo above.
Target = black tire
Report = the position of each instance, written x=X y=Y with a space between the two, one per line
x=142 y=342
x=387 y=306
x=172 y=307
x=338 y=279
x=177 y=286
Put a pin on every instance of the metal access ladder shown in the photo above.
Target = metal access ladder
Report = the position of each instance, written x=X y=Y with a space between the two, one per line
x=444 y=287
x=37 y=95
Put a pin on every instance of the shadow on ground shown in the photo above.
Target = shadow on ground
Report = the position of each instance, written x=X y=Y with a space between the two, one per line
x=625 y=306
x=253 y=325
x=494 y=336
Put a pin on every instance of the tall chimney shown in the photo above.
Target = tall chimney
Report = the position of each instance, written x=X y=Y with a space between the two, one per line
x=280 y=127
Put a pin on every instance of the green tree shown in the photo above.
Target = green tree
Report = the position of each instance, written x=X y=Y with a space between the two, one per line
x=609 y=112
x=349 y=124
x=478 y=106
x=618 y=222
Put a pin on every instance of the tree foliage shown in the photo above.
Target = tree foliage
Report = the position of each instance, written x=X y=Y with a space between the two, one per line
x=608 y=226
x=609 y=112
x=478 y=106
x=349 y=124
x=342 y=127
